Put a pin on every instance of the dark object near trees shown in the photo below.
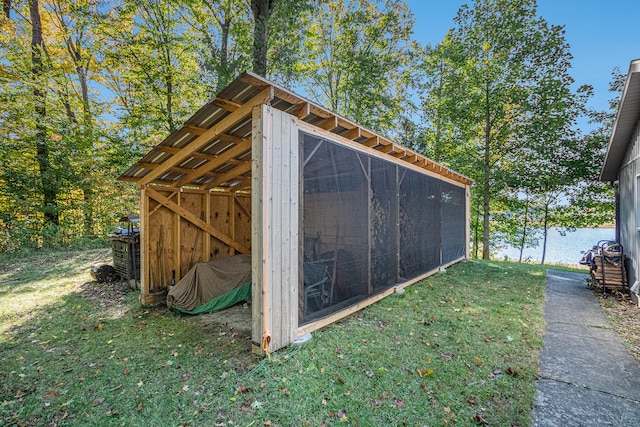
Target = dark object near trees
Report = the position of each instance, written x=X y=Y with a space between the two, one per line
x=104 y=273
x=125 y=245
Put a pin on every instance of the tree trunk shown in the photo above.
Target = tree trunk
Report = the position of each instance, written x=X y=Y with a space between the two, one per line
x=524 y=229
x=487 y=176
x=545 y=230
x=476 y=232
x=47 y=174
x=224 y=74
x=6 y=7
x=262 y=10
x=87 y=182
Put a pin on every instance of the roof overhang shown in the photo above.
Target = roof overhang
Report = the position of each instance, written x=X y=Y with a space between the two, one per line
x=212 y=150
x=624 y=125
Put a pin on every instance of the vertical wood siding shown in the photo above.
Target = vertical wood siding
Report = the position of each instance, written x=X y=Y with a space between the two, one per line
x=275 y=225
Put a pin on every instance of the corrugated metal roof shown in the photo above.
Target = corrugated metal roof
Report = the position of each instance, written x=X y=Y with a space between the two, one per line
x=212 y=150
x=624 y=125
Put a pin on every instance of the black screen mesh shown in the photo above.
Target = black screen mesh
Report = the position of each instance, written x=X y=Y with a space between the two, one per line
x=370 y=224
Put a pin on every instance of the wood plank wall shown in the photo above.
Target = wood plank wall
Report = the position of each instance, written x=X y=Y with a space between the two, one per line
x=172 y=244
x=276 y=227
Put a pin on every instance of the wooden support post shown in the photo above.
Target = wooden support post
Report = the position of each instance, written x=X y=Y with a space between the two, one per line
x=275 y=219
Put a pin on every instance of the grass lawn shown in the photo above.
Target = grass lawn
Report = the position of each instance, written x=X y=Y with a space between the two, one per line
x=458 y=348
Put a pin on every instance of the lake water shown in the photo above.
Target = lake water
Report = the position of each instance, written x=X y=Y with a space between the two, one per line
x=561 y=249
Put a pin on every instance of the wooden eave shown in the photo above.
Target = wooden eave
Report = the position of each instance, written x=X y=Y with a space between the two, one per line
x=212 y=150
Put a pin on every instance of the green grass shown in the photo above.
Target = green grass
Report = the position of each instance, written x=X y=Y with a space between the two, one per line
x=460 y=347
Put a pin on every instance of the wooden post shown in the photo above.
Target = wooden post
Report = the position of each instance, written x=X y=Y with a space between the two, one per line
x=144 y=255
x=275 y=223
x=467 y=231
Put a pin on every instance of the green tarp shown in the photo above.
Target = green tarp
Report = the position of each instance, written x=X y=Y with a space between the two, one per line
x=242 y=293
x=211 y=286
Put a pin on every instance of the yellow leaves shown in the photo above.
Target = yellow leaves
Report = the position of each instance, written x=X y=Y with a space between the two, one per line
x=424 y=372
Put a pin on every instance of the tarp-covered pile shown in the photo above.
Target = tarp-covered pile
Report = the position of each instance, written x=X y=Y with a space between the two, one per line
x=213 y=286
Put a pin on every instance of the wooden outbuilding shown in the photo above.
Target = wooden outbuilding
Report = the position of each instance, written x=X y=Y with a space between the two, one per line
x=335 y=216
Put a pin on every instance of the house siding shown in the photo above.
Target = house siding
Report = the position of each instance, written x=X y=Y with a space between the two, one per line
x=629 y=201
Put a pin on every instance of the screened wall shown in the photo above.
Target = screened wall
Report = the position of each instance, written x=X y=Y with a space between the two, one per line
x=370 y=224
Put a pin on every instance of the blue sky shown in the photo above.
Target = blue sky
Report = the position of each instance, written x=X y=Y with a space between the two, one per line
x=602 y=34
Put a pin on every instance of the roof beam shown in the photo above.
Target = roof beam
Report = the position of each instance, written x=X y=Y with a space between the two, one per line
x=352 y=133
x=219 y=160
x=302 y=111
x=228 y=176
x=194 y=130
x=226 y=104
x=372 y=142
x=329 y=124
x=222 y=126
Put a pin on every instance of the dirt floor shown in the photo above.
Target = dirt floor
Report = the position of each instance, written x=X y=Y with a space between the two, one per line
x=236 y=318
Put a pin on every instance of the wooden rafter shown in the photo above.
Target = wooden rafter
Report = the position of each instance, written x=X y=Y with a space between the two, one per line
x=221 y=159
x=238 y=170
x=225 y=104
x=233 y=108
x=222 y=126
x=194 y=130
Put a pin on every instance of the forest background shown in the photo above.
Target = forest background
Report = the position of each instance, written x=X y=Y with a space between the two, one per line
x=89 y=86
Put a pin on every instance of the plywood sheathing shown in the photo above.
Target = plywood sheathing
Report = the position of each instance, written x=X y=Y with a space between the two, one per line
x=187 y=226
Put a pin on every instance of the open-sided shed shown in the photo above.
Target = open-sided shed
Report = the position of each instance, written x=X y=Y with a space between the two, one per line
x=335 y=216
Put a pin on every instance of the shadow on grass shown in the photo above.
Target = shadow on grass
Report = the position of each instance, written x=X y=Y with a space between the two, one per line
x=16 y=273
x=96 y=357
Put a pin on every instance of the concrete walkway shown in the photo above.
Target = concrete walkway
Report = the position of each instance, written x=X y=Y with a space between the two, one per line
x=587 y=376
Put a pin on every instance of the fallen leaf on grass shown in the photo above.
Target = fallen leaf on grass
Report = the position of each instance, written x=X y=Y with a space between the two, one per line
x=284 y=391
x=52 y=393
x=140 y=406
x=398 y=403
x=447 y=356
x=98 y=401
x=242 y=389
x=377 y=403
